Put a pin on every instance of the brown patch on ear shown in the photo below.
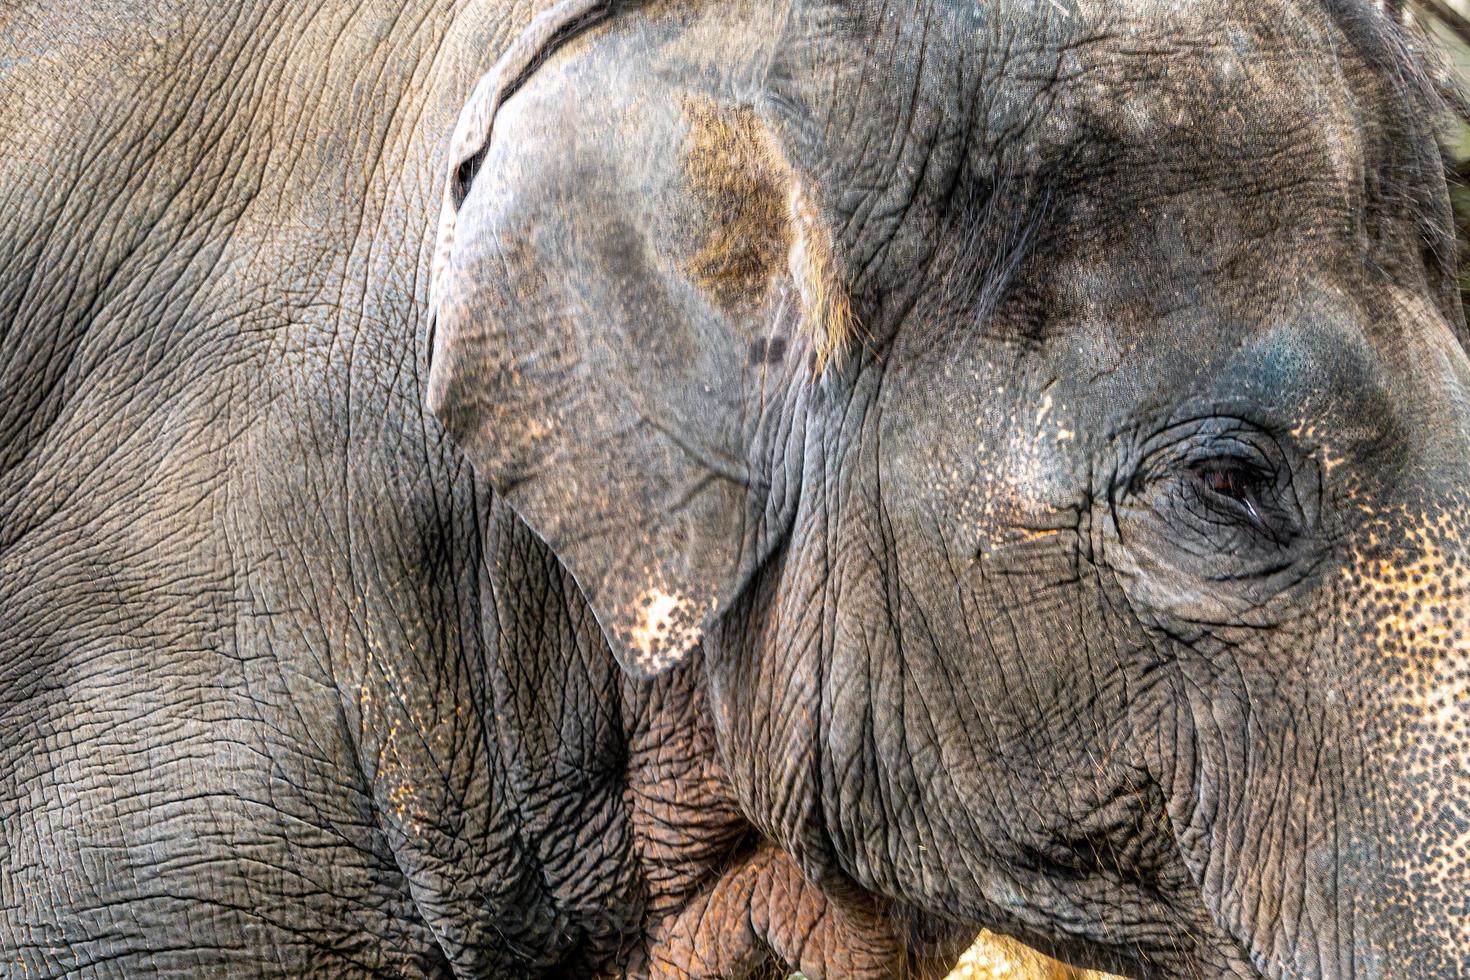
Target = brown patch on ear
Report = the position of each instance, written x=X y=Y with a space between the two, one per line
x=740 y=178
x=760 y=225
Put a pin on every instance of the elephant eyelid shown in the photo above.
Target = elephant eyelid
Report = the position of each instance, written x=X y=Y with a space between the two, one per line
x=1245 y=491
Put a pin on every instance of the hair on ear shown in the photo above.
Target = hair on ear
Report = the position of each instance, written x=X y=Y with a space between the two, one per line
x=826 y=309
x=761 y=218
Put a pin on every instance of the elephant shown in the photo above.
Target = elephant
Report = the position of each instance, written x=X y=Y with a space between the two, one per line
x=676 y=489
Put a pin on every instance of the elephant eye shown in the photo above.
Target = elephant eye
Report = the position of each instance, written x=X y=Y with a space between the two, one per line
x=1237 y=491
x=1219 y=498
x=1233 y=482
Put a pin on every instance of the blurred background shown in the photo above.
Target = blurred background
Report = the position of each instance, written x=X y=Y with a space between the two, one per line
x=995 y=957
x=1446 y=25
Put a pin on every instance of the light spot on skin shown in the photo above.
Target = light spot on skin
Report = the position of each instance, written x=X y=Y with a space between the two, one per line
x=665 y=626
x=1308 y=434
x=1026 y=468
x=658 y=607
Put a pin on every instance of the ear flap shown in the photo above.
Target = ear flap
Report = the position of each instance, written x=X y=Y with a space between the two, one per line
x=611 y=349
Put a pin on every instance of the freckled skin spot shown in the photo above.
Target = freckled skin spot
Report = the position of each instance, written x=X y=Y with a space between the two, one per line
x=665 y=627
x=1406 y=600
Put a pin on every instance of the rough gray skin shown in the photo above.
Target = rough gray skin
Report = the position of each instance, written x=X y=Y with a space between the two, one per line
x=283 y=689
x=1106 y=586
x=1109 y=584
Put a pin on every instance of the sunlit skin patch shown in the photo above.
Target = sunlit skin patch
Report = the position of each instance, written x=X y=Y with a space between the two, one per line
x=665 y=626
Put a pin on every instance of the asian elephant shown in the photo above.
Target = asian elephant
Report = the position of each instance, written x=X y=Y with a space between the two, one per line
x=666 y=488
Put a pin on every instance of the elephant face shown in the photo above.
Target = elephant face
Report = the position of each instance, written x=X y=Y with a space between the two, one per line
x=1048 y=418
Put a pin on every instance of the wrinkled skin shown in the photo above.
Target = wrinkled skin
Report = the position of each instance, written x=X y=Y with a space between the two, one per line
x=1109 y=584
x=284 y=690
x=1104 y=589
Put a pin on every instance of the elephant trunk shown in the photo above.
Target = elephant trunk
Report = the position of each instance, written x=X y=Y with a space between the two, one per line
x=1348 y=851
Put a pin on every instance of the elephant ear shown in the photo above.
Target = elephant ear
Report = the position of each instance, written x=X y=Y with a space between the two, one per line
x=628 y=281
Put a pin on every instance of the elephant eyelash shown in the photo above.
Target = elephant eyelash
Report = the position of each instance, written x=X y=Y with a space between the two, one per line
x=1243 y=491
x=1233 y=481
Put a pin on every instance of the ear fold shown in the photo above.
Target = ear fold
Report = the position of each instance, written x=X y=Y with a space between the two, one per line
x=547 y=30
x=622 y=289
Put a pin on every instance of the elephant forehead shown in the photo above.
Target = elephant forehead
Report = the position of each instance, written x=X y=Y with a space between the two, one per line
x=1183 y=85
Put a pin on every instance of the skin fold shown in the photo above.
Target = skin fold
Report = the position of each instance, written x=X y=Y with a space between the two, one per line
x=718 y=485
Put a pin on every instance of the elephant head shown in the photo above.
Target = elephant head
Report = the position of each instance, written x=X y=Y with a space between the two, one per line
x=1047 y=416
